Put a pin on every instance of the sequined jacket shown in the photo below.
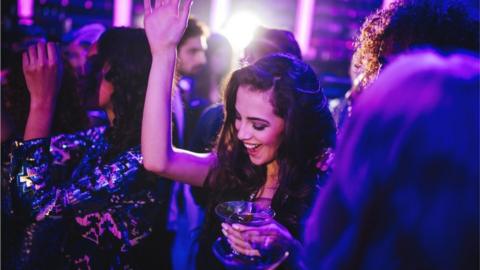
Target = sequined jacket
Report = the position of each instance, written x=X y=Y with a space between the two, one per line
x=103 y=210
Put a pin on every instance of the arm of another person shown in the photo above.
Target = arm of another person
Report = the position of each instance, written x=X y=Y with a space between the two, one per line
x=40 y=172
x=164 y=25
x=36 y=177
x=42 y=69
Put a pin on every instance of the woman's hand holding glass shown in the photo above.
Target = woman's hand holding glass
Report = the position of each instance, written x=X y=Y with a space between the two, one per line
x=237 y=241
x=258 y=241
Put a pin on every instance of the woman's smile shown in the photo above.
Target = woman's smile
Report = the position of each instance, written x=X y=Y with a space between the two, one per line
x=258 y=128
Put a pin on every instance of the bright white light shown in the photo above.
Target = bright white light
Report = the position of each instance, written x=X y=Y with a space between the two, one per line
x=122 y=13
x=240 y=28
x=219 y=10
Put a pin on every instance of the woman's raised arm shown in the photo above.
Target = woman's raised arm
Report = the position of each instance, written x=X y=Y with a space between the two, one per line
x=42 y=68
x=165 y=23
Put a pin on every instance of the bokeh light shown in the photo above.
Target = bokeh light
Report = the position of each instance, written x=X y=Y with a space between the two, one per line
x=240 y=28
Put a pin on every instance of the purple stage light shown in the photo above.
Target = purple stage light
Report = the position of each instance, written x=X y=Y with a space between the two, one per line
x=25 y=11
x=122 y=13
x=88 y=4
x=303 y=24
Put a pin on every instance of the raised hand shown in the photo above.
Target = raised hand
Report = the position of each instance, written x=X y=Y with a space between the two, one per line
x=165 y=23
x=43 y=70
x=164 y=26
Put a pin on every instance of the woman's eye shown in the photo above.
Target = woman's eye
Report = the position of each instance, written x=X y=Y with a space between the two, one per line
x=259 y=127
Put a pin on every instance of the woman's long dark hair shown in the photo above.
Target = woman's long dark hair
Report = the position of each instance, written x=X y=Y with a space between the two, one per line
x=127 y=53
x=309 y=131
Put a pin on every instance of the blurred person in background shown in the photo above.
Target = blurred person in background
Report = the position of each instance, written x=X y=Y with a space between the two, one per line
x=78 y=43
x=188 y=102
x=404 y=26
x=192 y=58
x=267 y=41
x=219 y=64
x=405 y=191
x=79 y=47
x=90 y=202
x=69 y=117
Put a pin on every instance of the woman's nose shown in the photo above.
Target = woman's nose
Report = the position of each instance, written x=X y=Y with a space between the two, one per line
x=243 y=133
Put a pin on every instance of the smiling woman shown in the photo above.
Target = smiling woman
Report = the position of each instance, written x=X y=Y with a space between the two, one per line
x=258 y=128
x=276 y=125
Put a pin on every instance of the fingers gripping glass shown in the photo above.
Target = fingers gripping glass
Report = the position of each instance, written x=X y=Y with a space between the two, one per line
x=252 y=214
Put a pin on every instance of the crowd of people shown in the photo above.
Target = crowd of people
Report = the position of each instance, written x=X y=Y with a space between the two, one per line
x=118 y=145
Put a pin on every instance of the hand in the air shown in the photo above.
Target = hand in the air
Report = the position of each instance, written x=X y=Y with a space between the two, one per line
x=43 y=70
x=165 y=22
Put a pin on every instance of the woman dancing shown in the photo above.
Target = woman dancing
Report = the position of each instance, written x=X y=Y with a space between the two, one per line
x=277 y=127
x=88 y=190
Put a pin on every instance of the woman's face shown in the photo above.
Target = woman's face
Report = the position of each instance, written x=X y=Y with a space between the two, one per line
x=105 y=90
x=258 y=127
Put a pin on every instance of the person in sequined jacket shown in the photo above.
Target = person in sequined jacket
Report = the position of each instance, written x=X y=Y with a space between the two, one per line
x=92 y=204
x=69 y=117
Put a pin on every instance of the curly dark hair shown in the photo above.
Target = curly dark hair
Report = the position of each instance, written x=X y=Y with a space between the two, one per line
x=309 y=131
x=69 y=116
x=409 y=24
x=127 y=53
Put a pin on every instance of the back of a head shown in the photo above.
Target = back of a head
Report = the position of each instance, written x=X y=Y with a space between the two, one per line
x=445 y=25
x=411 y=24
x=268 y=41
x=86 y=35
x=217 y=42
x=219 y=54
x=408 y=170
x=127 y=55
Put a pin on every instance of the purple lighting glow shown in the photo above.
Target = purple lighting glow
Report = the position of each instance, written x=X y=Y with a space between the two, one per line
x=88 y=4
x=25 y=11
x=303 y=24
x=122 y=13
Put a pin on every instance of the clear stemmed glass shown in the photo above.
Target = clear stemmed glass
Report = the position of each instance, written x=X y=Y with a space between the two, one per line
x=252 y=214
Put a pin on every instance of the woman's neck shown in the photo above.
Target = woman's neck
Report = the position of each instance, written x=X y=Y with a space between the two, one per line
x=270 y=187
x=110 y=115
x=272 y=175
